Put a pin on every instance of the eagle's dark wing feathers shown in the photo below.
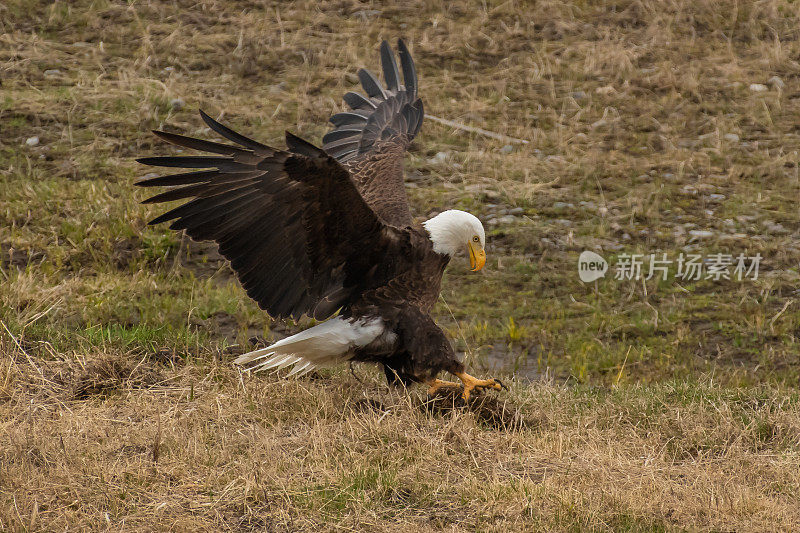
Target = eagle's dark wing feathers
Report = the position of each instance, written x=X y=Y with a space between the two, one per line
x=371 y=138
x=297 y=232
x=384 y=113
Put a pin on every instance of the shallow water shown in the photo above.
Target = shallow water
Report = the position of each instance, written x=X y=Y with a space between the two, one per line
x=500 y=359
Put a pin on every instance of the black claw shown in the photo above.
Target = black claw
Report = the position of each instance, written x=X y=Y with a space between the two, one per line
x=502 y=385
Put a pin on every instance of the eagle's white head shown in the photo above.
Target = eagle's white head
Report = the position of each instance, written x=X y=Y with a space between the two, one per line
x=455 y=230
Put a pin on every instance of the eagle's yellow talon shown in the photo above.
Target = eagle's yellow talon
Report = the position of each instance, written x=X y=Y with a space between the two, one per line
x=437 y=384
x=471 y=383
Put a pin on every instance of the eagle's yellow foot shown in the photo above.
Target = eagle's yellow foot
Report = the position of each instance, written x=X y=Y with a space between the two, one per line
x=472 y=383
x=436 y=384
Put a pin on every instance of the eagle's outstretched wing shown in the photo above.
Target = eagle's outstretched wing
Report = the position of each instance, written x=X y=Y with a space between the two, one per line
x=371 y=138
x=297 y=232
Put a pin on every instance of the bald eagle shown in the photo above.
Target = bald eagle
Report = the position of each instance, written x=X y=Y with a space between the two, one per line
x=313 y=231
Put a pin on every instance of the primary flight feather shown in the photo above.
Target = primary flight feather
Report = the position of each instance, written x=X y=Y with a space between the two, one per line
x=313 y=231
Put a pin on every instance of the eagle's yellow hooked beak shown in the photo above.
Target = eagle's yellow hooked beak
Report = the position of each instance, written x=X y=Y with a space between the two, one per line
x=477 y=256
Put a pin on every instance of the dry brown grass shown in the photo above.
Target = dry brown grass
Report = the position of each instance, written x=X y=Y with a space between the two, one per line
x=669 y=406
x=199 y=448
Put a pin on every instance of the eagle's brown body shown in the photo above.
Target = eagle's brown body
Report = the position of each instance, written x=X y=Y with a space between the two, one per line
x=315 y=231
x=421 y=350
x=370 y=171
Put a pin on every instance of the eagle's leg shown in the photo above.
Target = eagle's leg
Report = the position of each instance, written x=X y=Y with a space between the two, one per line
x=471 y=383
x=435 y=384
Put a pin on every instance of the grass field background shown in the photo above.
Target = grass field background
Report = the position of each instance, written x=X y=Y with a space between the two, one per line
x=653 y=127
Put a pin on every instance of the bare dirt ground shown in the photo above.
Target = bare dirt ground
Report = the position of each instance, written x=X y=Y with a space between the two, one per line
x=652 y=127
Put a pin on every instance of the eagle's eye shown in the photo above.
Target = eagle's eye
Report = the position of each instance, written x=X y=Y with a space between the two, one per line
x=476 y=239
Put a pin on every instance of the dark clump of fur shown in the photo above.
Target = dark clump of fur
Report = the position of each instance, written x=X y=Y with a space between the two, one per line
x=487 y=409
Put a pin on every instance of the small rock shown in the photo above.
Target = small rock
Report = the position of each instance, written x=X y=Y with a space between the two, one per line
x=440 y=157
x=776 y=83
x=277 y=88
x=507 y=149
x=562 y=205
x=626 y=237
x=32 y=141
x=776 y=229
x=578 y=95
x=554 y=159
x=716 y=197
x=366 y=14
x=608 y=89
x=647 y=70
x=758 y=87
x=177 y=104
x=668 y=175
x=563 y=221
x=732 y=137
x=701 y=233
x=491 y=222
x=52 y=72
x=169 y=69
x=516 y=211
x=150 y=175
x=707 y=137
x=508 y=219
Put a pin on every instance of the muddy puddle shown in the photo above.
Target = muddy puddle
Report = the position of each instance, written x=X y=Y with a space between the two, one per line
x=502 y=360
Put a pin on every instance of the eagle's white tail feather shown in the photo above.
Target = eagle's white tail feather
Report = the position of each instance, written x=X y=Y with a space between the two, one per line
x=276 y=361
x=323 y=345
x=301 y=369
x=255 y=355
